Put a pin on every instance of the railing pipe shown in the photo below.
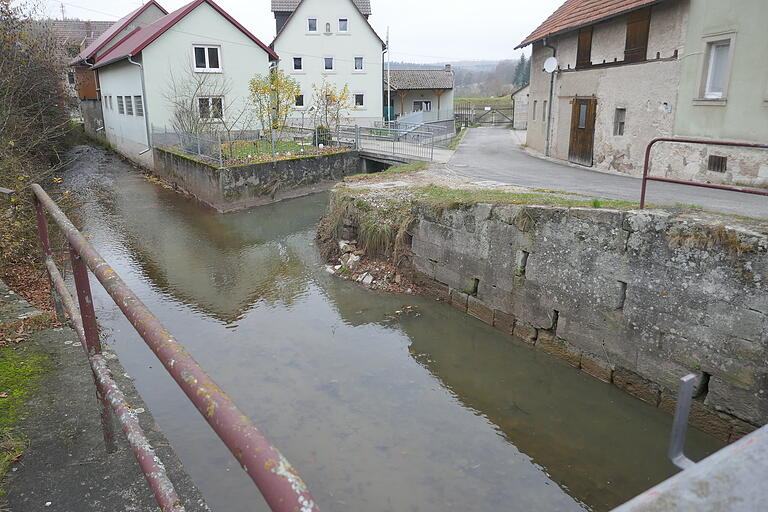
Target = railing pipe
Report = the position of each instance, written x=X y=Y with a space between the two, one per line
x=282 y=487
x=647 y=164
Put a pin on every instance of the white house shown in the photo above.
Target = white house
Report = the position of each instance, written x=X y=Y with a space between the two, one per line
x=332 y=41
x=421 y=95
x=197 y=44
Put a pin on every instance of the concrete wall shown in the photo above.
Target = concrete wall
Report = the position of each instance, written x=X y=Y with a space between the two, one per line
x=127 y=134
x=93 y=117
x=638 y=298
x=648 y=90
x=359 y=41
x=244 y=186
x=743 y=114
x=520 y=105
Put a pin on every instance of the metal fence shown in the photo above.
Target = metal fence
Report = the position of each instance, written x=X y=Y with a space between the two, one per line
x=440 y=132
x=385 y=141
x=278 y=481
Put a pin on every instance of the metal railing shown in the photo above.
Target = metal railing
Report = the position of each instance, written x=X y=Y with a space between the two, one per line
x=646 y=167
x=279 y=483
x=416 y=145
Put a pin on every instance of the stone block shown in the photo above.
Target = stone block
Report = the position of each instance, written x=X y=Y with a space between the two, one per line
x=748 y=405
x=636 y=385
x=525 y=332
x=477 y=309
x=503 y=321
x=431 y=288
x=740 y=429
x=701 y=417
x=459 y=300
x=597 y=367
x=550 y=343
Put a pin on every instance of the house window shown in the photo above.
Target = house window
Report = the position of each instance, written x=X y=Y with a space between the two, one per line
x=120 y=108
x=207 y=59
x=298 y=63
x=535 y=105
x=358 y=63
x=584 y=49
x=111 y=107
x=544 y=110
x=328 y=61
x=312 y=25
x=583 y=114
x=422 y=106
x=359 y=100
x=717 y=163
x=619 y=118
x=138 y=105
x=211 y=107
x=71 y=77
x=327 y=28
x=343 y=25
x=128 y=106
x=299 y=100
x=718 y=56
x=636 y=46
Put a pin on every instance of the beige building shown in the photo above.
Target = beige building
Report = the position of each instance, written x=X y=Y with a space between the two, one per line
x=614 y=87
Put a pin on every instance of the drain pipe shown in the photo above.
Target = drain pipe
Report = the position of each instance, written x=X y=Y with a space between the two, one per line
x=143 y=104
x=549 y=103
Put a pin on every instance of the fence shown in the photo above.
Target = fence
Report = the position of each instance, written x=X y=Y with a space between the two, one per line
x=440 y=131
x=414 y=144
x=646 y=167
x=246 y=146
x=279 y=483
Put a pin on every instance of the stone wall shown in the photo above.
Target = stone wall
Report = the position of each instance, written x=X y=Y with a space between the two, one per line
x=237 y=187
x=636 y=298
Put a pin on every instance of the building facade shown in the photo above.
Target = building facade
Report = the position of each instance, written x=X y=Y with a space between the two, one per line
x=420 y=95
x=331 y=41
x=615 y=84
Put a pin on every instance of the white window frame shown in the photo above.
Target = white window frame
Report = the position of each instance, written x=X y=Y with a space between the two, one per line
x=345 y=30
x=423 y=104
x=209 y=98
x=354 y=99
x=138 y=106
x=304 y=101
x=333 y=64
x=207 y=69
x=362 y=64
x=317 y=26
x=293 y=64
x=710 y=42
x=120 y=105
x=128 y=102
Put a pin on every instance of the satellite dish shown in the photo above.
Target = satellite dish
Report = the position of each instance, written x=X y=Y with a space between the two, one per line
x=550 y=65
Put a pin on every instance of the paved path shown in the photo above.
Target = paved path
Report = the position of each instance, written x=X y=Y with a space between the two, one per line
x=65 y=467
x=494 y=154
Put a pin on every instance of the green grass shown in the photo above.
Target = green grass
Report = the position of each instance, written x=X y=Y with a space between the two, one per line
x=457 y=198
x=457 y=139
x=21 y=367
x=242 y=149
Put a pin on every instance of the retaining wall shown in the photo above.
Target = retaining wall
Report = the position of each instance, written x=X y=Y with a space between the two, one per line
x=237 y=187
x=637 y=298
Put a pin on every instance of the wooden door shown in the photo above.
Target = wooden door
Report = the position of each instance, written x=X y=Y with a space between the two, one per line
x=582 y=131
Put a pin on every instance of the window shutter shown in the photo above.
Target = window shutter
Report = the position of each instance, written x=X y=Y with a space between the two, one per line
x=638 y=25
x=584 y=50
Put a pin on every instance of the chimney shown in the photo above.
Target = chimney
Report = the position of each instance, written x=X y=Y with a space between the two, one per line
x=447 y=68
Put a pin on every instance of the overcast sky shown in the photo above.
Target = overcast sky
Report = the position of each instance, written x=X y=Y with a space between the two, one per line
x=420 y=30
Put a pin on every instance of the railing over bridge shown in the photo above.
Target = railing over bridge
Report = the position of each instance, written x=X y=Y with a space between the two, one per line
x=385 y=141
x=279 y=483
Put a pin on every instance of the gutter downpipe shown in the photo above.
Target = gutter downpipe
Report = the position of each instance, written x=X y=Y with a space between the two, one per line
x=143 y=104
x=549 y=104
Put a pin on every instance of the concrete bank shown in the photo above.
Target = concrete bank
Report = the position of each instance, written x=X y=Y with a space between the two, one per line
x=636 y=298
x=243 y=186
x=65 y=467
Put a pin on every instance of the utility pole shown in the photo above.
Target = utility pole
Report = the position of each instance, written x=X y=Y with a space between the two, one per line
x=390 y=113
x=62 y=11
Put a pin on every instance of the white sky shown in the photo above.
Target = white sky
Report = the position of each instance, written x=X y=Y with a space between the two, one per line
x=420 y=30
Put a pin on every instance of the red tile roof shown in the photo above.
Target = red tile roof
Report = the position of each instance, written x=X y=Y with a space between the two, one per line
x=578 y=13
x=141 y=37
x=106 y=36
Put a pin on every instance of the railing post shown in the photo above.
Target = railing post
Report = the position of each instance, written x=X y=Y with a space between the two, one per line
x=45 y=245
x=357 y=137
x=92 y=342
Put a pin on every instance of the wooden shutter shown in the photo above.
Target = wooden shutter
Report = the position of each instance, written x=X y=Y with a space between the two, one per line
x=584 y=50
x=638 y=24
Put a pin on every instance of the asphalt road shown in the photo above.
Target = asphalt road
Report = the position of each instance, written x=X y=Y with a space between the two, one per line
x=495 y=154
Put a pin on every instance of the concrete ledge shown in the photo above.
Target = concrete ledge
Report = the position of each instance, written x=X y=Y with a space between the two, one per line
x=732 y=479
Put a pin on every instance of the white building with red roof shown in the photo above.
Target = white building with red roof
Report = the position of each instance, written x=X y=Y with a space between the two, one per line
x=199 y=48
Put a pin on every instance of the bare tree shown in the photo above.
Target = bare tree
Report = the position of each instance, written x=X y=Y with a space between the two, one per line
x=274 y=99
x=332 y=105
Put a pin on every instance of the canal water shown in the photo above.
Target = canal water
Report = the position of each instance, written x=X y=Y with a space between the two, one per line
x=431 y=411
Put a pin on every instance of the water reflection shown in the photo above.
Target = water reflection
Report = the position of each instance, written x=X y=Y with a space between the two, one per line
x=427 y=413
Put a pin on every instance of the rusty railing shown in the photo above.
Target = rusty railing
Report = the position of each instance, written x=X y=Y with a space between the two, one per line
x=279 y=483
x=646 y=167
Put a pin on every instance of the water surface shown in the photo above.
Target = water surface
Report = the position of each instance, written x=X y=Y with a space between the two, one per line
x=429 y=412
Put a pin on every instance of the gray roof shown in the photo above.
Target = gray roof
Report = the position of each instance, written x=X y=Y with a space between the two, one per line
x=405 y=79
x=291 y=5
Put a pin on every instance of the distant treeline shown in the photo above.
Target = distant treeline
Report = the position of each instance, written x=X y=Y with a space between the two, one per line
x=482 y=79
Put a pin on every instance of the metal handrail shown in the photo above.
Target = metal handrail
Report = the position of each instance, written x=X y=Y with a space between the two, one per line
x=646 y=166
x=279 y=483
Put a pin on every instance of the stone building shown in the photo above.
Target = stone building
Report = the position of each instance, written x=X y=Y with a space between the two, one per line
x=630 y=71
